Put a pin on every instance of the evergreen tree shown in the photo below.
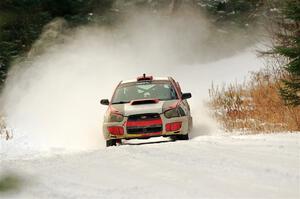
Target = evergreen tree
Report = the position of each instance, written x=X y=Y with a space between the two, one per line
x=289 y=47
x=21 y=22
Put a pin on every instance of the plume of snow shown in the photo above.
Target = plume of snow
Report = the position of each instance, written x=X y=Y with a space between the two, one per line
x=51 y=99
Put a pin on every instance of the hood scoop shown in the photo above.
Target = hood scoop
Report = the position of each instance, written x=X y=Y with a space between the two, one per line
x=144 y=101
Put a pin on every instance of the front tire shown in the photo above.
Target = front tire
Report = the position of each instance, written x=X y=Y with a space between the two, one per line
x=182 y=137
x=113 y=142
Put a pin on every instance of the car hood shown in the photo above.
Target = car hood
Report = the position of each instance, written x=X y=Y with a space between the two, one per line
x=129 y=109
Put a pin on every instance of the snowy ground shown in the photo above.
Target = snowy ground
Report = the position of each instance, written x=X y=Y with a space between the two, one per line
x=53 y=112
x=220 y=166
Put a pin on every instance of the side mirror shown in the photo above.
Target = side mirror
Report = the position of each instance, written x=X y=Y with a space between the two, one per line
x=104 y=102
x=186 y=96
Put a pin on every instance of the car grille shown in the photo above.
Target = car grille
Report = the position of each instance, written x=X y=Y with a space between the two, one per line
x=144 y=123
x=146 y=116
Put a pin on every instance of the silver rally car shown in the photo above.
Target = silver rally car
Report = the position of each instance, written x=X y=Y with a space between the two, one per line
x=147 y=107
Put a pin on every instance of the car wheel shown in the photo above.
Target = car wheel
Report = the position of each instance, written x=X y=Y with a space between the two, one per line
x=182 y=137
x=111 y=143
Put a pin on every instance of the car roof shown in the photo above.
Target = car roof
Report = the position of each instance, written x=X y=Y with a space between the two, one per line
x=135 y=80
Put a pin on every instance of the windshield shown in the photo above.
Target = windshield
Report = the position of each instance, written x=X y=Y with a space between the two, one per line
x=161 y=90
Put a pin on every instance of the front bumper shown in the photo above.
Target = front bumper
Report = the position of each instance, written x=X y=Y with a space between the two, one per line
x=185 y=122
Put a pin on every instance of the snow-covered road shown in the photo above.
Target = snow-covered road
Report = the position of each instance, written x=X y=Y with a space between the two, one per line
x=220 y=166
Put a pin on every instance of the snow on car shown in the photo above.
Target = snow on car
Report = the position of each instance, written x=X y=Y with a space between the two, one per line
x=147 y=107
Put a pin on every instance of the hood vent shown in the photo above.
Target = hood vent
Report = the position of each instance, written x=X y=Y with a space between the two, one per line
x=144 y=101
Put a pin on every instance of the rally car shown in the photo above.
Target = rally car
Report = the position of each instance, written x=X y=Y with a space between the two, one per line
x=147 y=107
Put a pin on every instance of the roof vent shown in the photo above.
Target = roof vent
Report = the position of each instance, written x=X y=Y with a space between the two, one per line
x=145 y=78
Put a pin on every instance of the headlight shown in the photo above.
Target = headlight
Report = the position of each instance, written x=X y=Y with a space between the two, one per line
x=113 y=117
x=172 y=113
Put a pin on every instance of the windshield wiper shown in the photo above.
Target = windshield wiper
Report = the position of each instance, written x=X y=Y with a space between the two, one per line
x=120 y=102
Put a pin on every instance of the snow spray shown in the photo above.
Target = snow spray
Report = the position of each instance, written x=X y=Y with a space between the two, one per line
x=51 y=98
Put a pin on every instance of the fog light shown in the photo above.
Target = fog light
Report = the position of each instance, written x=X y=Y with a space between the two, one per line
x=175 y=126
x=116 y=130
